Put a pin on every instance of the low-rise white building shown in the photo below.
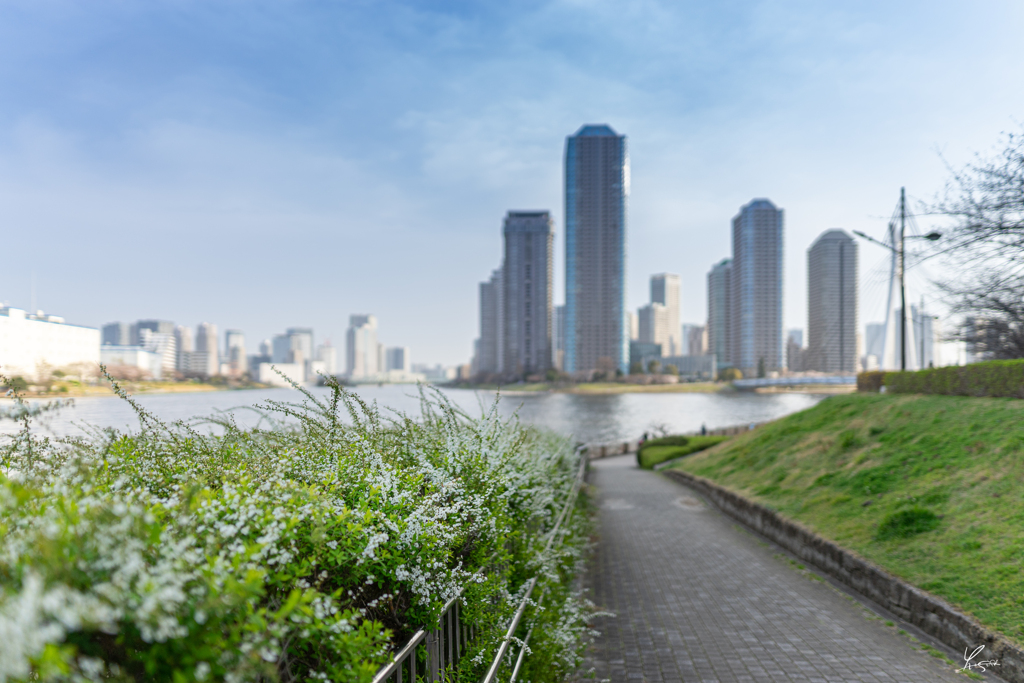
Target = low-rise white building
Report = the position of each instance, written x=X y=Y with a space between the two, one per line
x=34 y=345
x=296 y=372
x=149 y=364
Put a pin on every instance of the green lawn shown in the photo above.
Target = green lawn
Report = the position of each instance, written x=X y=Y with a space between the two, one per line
x=928 y=487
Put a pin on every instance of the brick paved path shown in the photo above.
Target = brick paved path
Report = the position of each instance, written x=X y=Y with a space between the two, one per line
x=698 y=599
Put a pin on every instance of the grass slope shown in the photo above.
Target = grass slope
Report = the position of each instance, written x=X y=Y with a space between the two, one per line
x=928 y=487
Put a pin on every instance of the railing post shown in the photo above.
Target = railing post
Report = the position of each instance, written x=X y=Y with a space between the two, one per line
x=432 y=656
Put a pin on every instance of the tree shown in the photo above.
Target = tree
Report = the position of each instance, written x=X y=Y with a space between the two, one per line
x=730 y=374
x=985 y=243
x=17 y=384
x=654 y=367
x=636 y=368
x=671 y=369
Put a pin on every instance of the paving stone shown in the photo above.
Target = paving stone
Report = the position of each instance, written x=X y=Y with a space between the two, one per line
x=698 y=599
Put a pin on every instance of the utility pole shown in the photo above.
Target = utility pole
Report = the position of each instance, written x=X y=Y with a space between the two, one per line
x=903 y=290
x=895 y=246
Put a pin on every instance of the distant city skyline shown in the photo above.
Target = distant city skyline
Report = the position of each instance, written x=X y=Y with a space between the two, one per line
x=262 y=166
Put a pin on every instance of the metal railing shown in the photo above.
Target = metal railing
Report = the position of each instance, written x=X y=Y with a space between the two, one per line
x=446 y=644
x=555 y=533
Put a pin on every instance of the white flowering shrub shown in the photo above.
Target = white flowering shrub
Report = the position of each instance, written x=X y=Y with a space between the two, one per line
x=308 y=549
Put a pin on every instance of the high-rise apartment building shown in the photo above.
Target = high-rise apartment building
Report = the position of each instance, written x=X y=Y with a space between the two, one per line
x=490 y=344
x=234 y=352
x=653 y=324
x=527 y=275
x=159 y=326
x=665 y=291
x=183 y=342
x=328 y=355
x=558 y=338
x=874 y=345
x=832 y=303
x=796 y=354
x=695 y=340
x=116 y=334
x=205 y=360
x=302 y=340
x=398 y=358
x=755 y=305
x=362 y=350
x=925 y=335
x=596 y=193
x=719 y=296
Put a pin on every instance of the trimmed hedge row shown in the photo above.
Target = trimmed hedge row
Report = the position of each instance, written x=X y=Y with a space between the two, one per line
x=870 y=381
x=1003 y=378
x=658 y=451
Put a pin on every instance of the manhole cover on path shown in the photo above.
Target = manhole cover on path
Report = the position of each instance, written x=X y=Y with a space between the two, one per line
x=688 y=503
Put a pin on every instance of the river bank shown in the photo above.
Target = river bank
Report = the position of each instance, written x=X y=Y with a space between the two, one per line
x=602 y=388
x=78 y=390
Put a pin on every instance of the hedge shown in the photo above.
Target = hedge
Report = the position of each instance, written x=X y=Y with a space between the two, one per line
x=305 y=550
x=870 y=381
x=992 y=378
x=657 y=451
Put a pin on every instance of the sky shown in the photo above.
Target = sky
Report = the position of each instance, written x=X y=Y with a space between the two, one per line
x=261 y=165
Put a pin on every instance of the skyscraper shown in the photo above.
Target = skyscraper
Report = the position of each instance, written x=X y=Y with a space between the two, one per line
x=832 y=303
x=490 y=345
x=596 y=192
x=527 y=270
x=653 y=324
x=665 y=291
x=362 y=351
x=755 y=307
x=719 y=291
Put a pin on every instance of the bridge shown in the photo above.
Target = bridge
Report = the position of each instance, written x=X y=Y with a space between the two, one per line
x=826 y=380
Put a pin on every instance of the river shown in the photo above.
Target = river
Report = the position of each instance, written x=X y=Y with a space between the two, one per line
x=607 y=418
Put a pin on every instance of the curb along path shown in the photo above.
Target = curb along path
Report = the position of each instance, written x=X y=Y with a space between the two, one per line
x=697 y=599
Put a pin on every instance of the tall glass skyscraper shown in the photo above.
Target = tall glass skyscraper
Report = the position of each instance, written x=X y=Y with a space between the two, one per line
x=719 y=285
x=527 y=270
x=832 y=303
x=596 y=193
x=755 y=306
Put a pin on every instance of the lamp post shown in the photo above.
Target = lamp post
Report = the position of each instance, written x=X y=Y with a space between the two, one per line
x=899 y=251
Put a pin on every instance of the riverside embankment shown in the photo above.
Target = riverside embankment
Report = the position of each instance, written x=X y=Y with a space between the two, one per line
x=928 y=488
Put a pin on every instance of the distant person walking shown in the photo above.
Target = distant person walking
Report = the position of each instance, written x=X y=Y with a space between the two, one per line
x=704 y=429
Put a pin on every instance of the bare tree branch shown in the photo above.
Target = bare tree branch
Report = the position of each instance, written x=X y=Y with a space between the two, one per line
x=985 y=201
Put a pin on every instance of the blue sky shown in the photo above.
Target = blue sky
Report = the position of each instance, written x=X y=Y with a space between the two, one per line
x=269 y=164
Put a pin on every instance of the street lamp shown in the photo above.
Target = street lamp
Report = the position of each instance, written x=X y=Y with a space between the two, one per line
x=898 y=250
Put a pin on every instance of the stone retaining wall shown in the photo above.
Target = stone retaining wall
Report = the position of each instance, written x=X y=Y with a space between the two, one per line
x=932 y=615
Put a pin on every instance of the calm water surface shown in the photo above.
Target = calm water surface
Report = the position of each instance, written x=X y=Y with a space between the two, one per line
x=592 y=419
